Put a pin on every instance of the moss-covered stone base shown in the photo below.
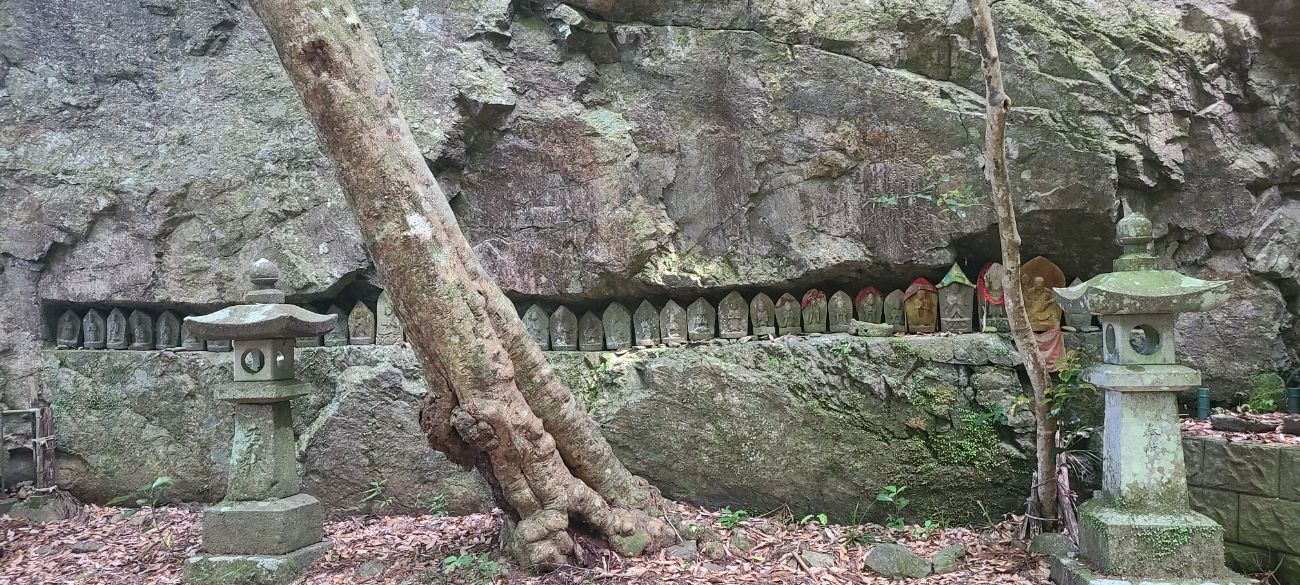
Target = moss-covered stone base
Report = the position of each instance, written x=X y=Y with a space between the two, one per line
x=251 y=569
x=1067 y=571
x=1173 y=544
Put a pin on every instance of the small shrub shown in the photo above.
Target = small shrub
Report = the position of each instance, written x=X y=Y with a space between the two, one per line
x=730 y=519
x=1267 y=394
x=476 y=568
x=148 y=495
x=820 y=518
x=376 y=495
x=893 y=494
x=921 y=531
x=437 y=506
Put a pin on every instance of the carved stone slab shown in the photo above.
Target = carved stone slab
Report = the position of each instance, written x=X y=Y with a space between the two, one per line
x=992 y=301
x=141 y=330
x=672 y=323
x=117 y=331
x=957 y=302
x=700 y=320
x=645 y=324
x=894 y=311
x=814 y=311
x=921 y=307
x=787 y=315
x=591 y=333
x=618 y=327
x=340 y=334
x=93 y=330
x=538 y=326
x=220 y=345
x=839 y=311
x=188 y=341
x=762 y=314
x=67 y=333
x=1037 y=279
x=388 y=330
x=361 y=325
x=870 y=305
x=167 y=331
x=1080 y=321
x=564 y=329
x=733 y=316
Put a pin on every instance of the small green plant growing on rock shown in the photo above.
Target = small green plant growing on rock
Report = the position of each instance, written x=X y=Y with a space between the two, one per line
x=476 y=568
x=893 y=494
x=842 y=348
x=730 y=518
x=938 y=189
x=976 y=444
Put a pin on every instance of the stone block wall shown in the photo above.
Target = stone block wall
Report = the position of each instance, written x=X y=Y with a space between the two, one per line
x=1253 y=490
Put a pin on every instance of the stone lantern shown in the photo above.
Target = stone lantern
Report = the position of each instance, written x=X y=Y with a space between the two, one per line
x=1140 y=524
x=265 y=531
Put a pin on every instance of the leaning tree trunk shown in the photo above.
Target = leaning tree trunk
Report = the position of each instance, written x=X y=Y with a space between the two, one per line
x=494 y=403
x=995 y=168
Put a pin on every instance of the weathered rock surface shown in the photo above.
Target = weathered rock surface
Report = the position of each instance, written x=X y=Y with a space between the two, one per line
x=603 y=149
x=1238 y=424
x=124 y=419
x=896 y=560
x=821 y=424
x=946 y=559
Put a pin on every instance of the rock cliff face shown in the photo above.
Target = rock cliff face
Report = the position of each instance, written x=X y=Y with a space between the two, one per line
x=600 y=149
x=820 y=424
x=150 y=150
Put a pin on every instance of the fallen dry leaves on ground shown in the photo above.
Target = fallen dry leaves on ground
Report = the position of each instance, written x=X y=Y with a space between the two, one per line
x=151 y=545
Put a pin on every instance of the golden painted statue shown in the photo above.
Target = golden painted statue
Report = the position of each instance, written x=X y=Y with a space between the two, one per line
x=1038 y=277
x=921 y=306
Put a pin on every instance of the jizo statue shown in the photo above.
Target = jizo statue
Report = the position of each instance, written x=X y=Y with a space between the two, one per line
x=1037 y=278
x=921 y=304
x=870 y=305
x=992 y=301
x=839 y=311
x=894 y=311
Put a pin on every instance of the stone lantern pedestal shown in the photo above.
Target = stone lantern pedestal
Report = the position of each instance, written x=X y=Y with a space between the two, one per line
x=264 y=531
x=1141 y=526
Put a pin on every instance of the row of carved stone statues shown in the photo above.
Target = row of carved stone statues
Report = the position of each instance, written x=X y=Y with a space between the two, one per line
x=140 y=330
x=955 y=305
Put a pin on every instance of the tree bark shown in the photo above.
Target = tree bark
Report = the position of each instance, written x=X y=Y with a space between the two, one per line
x=493 y=403
x=995 y=169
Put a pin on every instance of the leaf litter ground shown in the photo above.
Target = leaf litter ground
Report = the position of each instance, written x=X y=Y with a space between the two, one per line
x=104 y=546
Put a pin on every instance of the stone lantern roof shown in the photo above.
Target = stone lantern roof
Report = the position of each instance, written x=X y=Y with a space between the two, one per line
x=265 y=316
x=1136 y=287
